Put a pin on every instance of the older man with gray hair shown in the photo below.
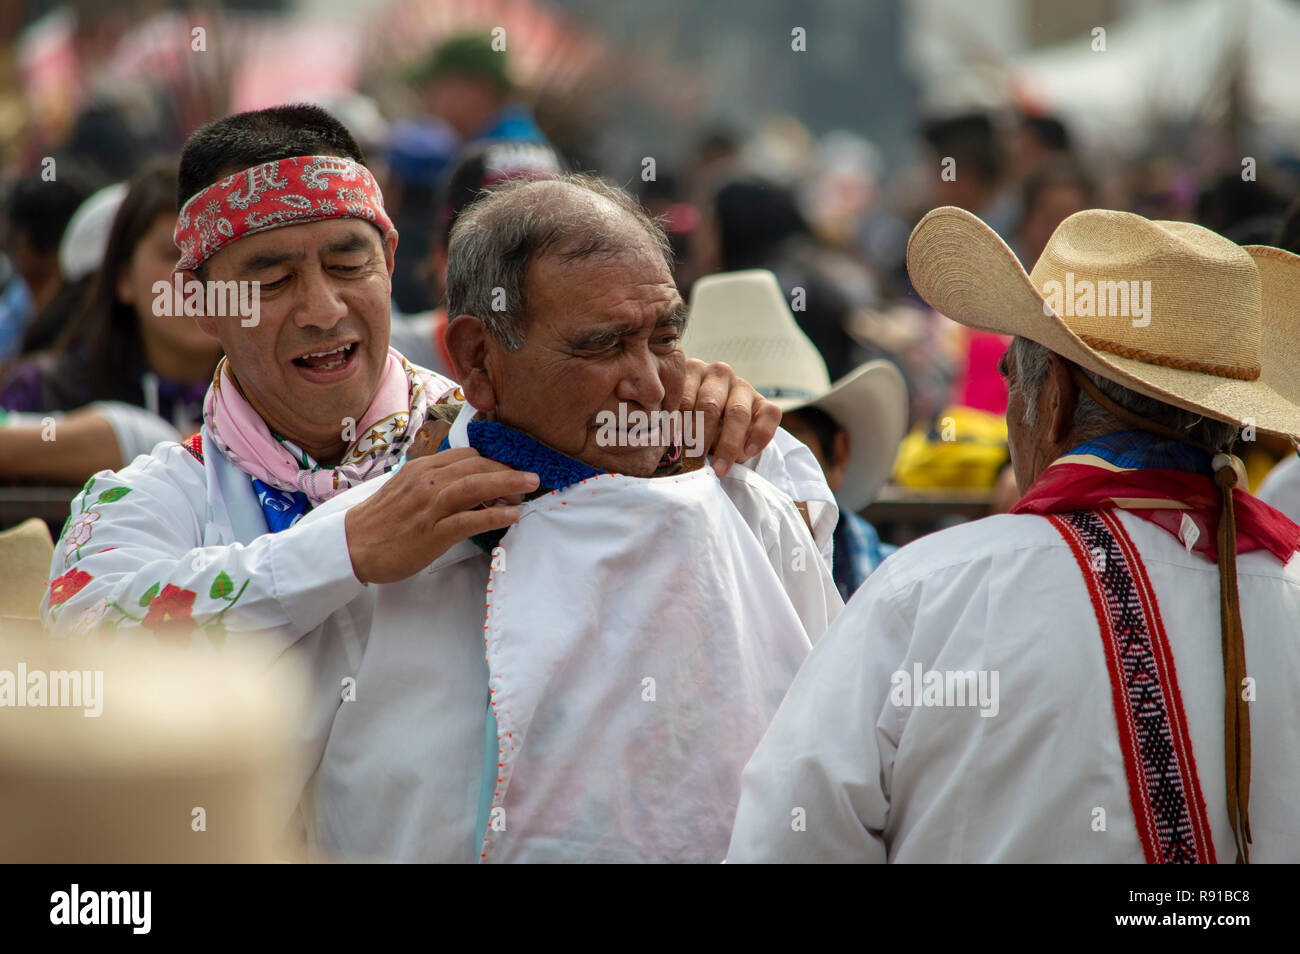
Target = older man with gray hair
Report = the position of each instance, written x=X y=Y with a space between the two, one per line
x=1107 y=673
x=640 y=619
x=202 y=541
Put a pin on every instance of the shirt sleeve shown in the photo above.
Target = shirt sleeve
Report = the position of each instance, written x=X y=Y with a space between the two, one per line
x=132 y=559
x=791 y=551
x=137 y=430
x=817 y=787
x=791 y=467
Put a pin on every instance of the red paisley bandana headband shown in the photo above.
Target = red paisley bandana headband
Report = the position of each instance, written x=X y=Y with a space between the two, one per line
x=272 y=195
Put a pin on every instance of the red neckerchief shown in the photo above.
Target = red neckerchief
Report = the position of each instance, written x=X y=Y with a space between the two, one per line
x=1069 y=485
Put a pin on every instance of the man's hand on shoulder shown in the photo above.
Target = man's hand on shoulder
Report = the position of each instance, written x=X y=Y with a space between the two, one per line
x=432 y=503
x=738 y=421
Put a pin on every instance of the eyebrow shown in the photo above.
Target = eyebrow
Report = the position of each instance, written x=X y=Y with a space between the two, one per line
x=353 y=242
x=264 y=260
x=674 y=318
x=593 y=337
x=260 y=261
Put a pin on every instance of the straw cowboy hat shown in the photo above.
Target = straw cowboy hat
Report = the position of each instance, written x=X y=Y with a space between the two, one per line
x=25 y=552
x=742 y=318
x=1214 y=334
x=138 y=753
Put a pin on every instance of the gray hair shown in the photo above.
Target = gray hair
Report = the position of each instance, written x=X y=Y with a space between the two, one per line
x=1091 y=420
x=496 y=238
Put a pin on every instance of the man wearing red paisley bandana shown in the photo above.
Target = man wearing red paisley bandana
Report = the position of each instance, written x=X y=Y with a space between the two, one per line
x=309 y=401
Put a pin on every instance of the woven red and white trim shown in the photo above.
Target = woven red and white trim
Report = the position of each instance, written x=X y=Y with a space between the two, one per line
x=1163 y=786
x=275 y=194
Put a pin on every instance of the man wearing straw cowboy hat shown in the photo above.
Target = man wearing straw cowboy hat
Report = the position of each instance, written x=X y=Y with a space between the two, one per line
x=1107 y=673
x=853 y=428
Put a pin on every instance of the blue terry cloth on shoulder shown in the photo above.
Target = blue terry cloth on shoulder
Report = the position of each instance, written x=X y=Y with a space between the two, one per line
x=505 y=445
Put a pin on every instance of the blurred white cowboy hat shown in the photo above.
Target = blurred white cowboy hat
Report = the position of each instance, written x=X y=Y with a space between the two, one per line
x=742 y=318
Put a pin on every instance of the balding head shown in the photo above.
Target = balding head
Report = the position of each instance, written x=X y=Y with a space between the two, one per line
x=495 y=240
x=565 y=318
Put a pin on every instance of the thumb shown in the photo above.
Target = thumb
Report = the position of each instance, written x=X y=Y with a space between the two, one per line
x=428 y=439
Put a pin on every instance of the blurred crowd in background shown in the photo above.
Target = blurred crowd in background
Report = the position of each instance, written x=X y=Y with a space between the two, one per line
x=818 y=182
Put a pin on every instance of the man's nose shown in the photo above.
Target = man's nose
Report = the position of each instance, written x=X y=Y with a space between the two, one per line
x=640 y=382
x=320 y=303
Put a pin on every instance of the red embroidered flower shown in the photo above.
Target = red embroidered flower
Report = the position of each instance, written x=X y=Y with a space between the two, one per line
x=67 y=586
x=169 y=613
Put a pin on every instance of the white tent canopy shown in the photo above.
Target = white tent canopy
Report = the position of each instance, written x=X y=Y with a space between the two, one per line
x=1172 y=62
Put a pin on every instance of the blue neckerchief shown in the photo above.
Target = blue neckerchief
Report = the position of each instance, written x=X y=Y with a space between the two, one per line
x=505 y=445
x=1140 y=450
x=282 y=508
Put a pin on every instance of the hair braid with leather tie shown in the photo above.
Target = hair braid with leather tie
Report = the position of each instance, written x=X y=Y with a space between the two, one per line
x=1236 y=710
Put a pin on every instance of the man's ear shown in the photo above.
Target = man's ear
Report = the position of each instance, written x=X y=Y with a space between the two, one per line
x=1061 y=397
x=467 y=345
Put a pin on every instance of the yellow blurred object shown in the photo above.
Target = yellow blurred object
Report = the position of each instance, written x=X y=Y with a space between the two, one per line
x=1258 y=463
x=25 y=554
x=962 y=447
x=142 y=754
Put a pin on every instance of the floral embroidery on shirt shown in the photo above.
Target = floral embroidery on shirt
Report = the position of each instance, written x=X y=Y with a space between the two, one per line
x=90 y=619
x=78 y=532
x=67 y=586
x=78 y=528
x=170 y=611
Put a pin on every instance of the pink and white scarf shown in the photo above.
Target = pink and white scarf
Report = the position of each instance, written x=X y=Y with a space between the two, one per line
x=384 y=432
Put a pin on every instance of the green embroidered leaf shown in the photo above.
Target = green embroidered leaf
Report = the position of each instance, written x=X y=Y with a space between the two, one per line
x=64 y=531
x=114 y=493
x=149 y=594
x=222 y=586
